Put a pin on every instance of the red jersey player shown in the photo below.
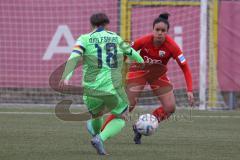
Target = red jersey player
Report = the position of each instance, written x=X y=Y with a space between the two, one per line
x=157 y=48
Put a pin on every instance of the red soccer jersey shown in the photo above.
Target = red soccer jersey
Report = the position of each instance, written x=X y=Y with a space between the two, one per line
x=161 y=54
x=152 y=54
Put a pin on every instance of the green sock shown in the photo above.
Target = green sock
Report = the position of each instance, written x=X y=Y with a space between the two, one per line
x=97 y=124
x=112 y=128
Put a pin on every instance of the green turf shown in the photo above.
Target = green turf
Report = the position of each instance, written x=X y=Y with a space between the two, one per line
x=33 y=137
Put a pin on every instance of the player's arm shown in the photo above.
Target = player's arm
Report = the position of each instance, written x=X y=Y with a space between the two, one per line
x=137 y=45
x=71 y=63
x=186 y=71
x=133 y=55
x=182 y=62
x=129 y=51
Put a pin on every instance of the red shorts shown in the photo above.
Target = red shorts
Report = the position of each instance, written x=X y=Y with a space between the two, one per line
x=159 y=84
x=146 y=76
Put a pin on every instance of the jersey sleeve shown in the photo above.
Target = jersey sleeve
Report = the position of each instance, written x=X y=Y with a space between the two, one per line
x=138 y=43
x=187 y=75
x=175 y=50
x=129 y=51
x=80 y=45
x=177 y=54
x=74 y=58
x=134 y=55
x=70 y=66
x=182 y=62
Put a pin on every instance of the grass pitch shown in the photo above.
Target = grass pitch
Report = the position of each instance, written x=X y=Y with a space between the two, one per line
x=36 y=133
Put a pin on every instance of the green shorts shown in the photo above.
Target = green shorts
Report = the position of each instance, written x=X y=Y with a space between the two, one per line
x=116 y=104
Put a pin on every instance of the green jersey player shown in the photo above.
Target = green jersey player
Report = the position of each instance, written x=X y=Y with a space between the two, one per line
x=103 y=54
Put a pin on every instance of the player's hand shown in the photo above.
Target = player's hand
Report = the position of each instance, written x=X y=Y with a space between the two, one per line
x=62 y=84
x=190 y=98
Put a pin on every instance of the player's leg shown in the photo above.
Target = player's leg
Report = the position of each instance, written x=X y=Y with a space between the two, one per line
x=163 y=89
x=120 y=112
x=96 y=123
x=133 y=92
x=135 y=84
x=94 y=127
x=113 y=127
x=167 y=108
x=95 y=107
x=96 y=141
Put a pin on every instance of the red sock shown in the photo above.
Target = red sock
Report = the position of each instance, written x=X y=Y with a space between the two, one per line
x=160 y=114
x=108 y=119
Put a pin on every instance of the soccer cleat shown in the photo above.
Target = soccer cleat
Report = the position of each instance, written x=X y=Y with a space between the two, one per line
x=137 y=135
x=98 y=145
x=90 y=128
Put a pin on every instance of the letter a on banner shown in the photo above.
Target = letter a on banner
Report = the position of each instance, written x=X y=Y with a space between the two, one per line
x=53 y=48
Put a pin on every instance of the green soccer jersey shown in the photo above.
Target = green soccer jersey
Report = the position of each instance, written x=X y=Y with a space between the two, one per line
x=103 y=57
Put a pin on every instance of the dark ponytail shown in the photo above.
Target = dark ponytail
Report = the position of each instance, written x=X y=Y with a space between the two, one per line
x=163 y=17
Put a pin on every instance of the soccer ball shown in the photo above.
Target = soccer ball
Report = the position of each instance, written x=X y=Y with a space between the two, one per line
x=146 y=124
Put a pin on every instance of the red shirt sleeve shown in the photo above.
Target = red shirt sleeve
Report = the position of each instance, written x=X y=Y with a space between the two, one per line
x=139 y=43
x=187 y=74
x=182 y=62
x=174 y=48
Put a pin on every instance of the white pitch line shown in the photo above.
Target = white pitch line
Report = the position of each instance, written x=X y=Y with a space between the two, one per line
x=216 y=116
x=29 y=113
x=49 y=113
